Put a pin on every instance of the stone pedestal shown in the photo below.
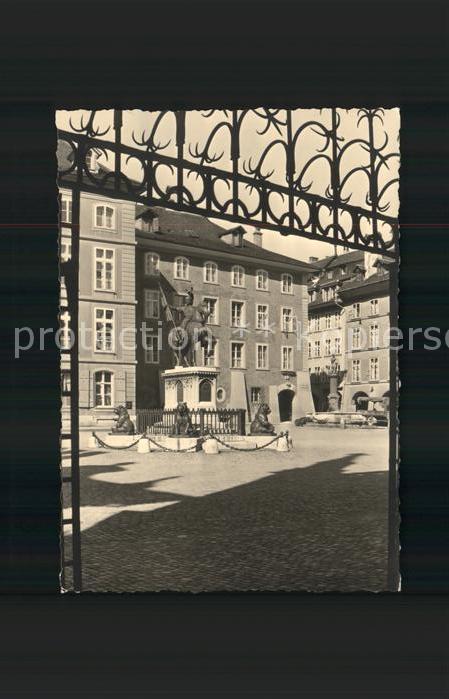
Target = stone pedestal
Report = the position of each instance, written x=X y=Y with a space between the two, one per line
x=196 y=386
x=333 y=396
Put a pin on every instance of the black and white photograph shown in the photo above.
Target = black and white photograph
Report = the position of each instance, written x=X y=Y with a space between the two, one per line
x=229 y=387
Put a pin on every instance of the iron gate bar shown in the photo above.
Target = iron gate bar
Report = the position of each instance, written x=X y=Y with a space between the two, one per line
x=148 y=191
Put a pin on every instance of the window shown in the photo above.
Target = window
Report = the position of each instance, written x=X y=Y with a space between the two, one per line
x=317 y=349
x=355 y=338
x=103 y=389
x=287 y=359
x=212 y=306
x=374 y=369
x=237 y=355
x=256 y=394
x=262 y=280
x=327 y=347
x=104 y=330
x=261 y=316
x=337 y=346
x=152 y=261
x=325 y=294
x=309 y=349
x=261 y=356
x=181 y=268
x=374 y=307
x=237 y=276
x=66 y=209
x=151 y=348
x=331 y=292
x=316 y=323
x=65 y=332
x=237 y=314
x=317 y=370
x=374 y=336
x=356 y=369
x=337 y=320
x=287 y=320
x=343 y=269
x=356 y=310
x=151 y=303
x=210 y=272
x=104 y=216
x=287 y=284
x=211 y=358
x=327 y=321
x=237 y=239
x=205 y=391
x=66 y=250
x=330 y=274
x=104 y=269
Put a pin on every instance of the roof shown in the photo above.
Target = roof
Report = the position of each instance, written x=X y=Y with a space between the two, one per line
x=211 y=241
x=333 y=261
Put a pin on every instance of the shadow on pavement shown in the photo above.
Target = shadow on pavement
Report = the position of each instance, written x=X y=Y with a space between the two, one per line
x=314 y=528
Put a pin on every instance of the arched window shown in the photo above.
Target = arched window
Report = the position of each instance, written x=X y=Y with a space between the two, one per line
x=179 y=392
x=205 y=391
x=152 y=263
x=287 y=284
x=210 y=271
x=181 y=268
x=237 y=276
x=261 y=280
x=103 y=389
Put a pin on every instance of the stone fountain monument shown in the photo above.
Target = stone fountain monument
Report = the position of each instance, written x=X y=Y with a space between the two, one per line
x=189 y=382
x=333 y=397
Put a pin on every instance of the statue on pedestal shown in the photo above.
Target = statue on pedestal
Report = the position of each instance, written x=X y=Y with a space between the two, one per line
x=193 y=323
x=183 y=426
x=123 y=423
x=260 y=424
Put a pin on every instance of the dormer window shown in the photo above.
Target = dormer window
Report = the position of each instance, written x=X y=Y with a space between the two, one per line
x=237 y=239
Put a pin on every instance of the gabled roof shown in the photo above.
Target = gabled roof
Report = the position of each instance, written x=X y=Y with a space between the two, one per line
x=333 y=261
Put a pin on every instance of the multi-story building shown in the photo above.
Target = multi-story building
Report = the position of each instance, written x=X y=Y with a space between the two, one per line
x=257 y=301
x=367 y=307
x=349 y=317
x=107 y=360
x=326 y=335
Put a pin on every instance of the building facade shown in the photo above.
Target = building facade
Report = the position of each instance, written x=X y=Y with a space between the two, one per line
x=257 y=301
x=349 y=317
x=106 y=305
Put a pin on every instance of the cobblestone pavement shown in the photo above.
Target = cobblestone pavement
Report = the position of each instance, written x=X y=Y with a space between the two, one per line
x=311 y=519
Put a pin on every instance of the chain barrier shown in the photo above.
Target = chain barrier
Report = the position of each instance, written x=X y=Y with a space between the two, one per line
x=178 y=451
x=108 y=446
x=211 y=435
x=194 y=447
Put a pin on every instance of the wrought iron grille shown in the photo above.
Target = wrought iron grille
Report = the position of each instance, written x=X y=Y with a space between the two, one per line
x=329 y=175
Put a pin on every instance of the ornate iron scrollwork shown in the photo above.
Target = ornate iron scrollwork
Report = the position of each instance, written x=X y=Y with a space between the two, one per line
x=300 y=173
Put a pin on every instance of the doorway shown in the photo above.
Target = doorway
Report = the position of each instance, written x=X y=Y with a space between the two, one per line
x=285 y=404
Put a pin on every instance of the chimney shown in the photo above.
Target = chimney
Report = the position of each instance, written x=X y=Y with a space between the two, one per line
x=313 y=259
x=257 y=237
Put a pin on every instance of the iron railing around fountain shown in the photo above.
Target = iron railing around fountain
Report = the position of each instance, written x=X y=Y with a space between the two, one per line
x=161 y=421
